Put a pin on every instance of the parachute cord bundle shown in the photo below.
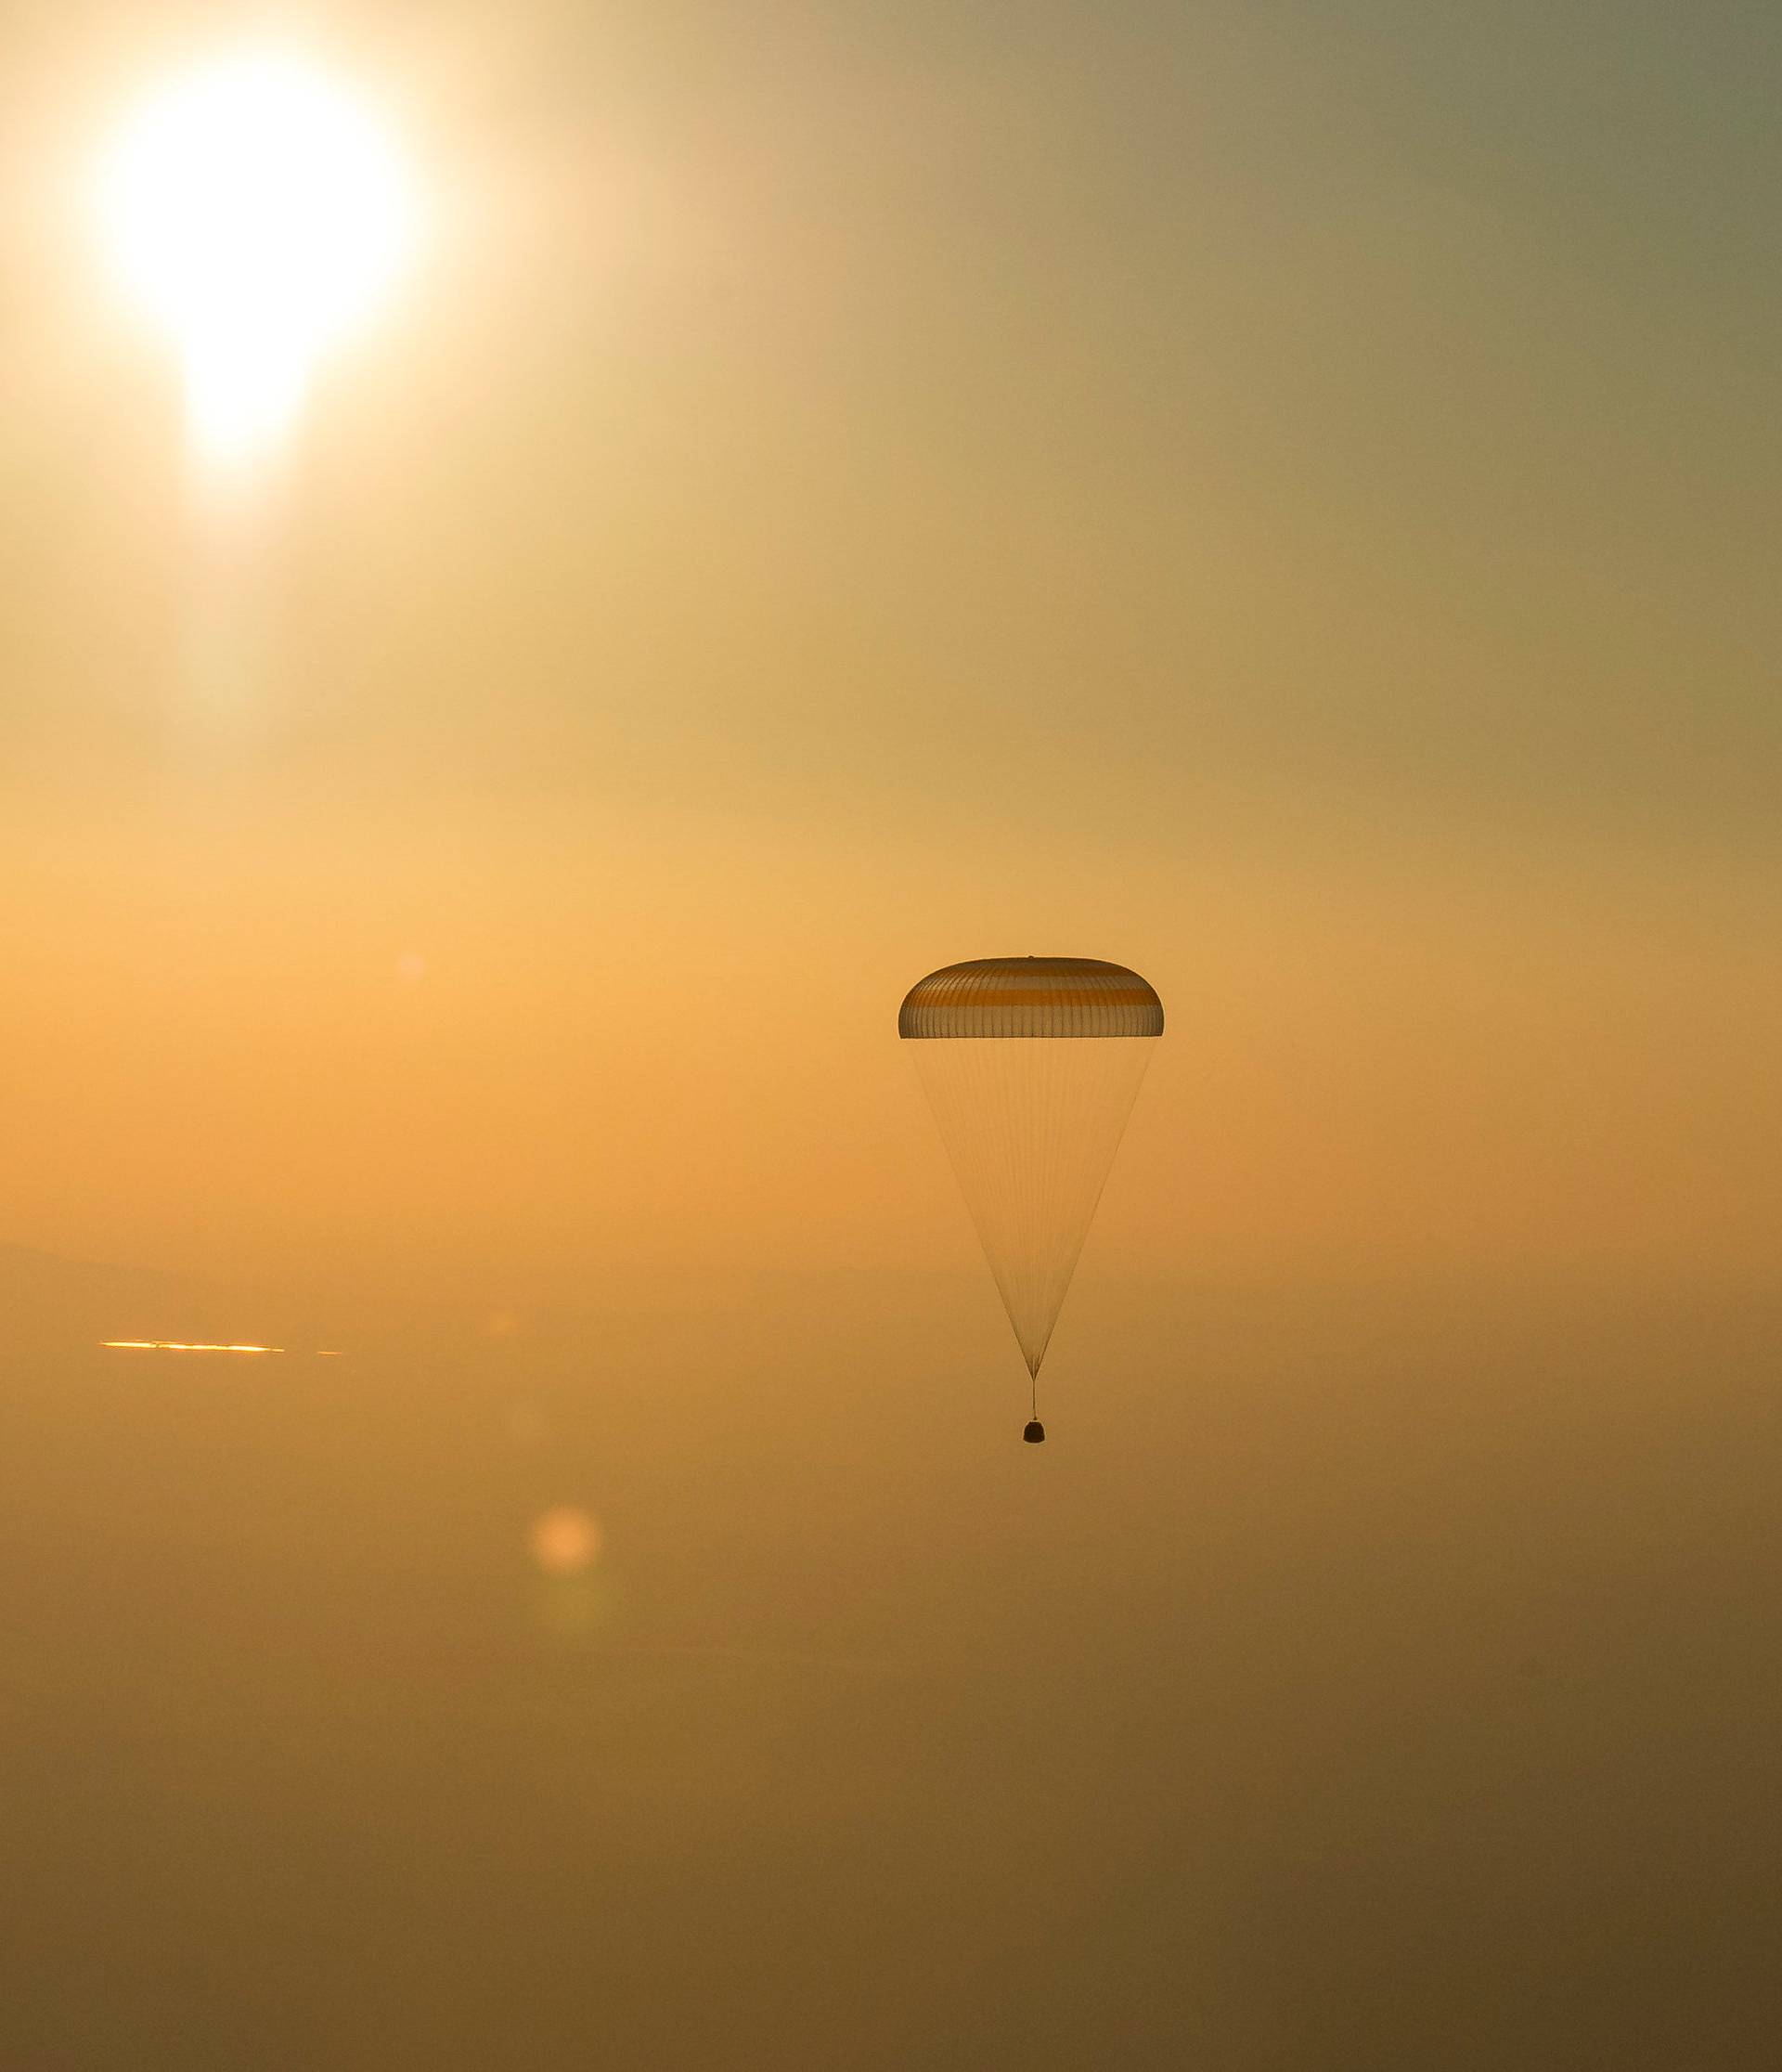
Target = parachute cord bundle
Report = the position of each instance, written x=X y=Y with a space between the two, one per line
x=1031 y=1129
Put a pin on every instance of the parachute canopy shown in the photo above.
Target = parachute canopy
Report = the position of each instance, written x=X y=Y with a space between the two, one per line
x=1031 y=1065
x=1031 y=996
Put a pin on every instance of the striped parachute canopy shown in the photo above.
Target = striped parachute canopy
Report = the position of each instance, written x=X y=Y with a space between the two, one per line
x=1031 y=1065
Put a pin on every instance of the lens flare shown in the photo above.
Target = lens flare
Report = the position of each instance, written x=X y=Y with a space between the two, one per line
x=565 y=1541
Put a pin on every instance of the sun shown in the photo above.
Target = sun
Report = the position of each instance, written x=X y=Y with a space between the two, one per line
x=257 y=213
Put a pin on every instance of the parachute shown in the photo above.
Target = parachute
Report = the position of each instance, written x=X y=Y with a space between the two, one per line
x=1031 y=1065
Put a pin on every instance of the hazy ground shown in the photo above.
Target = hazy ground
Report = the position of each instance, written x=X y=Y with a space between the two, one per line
x=1361 y=1679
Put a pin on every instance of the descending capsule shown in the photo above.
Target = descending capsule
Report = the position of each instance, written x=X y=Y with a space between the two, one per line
x=1031 y=1065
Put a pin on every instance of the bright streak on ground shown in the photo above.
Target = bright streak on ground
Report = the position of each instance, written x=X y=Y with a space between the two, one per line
x=257 y=213
x=176 y=1345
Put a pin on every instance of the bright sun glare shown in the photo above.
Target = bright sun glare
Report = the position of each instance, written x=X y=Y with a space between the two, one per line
x=256 y=212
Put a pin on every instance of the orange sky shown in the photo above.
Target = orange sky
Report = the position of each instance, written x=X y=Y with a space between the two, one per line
x=815 y=514
x=1277 y=493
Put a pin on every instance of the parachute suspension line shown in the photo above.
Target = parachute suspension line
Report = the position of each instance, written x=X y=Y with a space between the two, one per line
x=1030 y=1126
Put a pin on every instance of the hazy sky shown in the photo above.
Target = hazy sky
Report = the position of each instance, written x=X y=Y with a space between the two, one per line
x=1282 y=496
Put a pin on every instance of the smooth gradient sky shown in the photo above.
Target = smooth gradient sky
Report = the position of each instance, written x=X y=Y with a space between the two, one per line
x=1283 y=497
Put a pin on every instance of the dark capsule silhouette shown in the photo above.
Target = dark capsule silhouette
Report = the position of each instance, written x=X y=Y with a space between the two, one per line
x=1035 y=1433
